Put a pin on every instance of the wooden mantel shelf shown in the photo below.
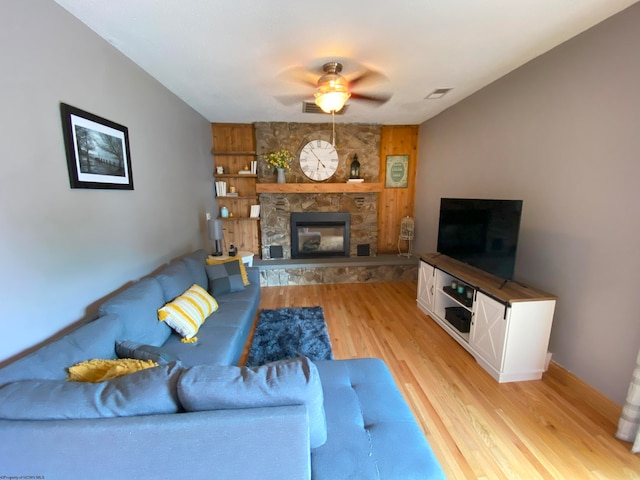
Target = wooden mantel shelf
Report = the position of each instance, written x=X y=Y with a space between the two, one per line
x=318 y=187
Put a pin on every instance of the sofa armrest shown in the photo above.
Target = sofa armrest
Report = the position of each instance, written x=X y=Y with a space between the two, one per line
x=265 y=443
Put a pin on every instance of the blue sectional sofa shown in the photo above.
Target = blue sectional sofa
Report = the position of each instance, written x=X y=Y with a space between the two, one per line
x=197 y=414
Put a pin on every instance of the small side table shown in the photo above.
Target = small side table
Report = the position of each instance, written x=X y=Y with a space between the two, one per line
x=247 y=257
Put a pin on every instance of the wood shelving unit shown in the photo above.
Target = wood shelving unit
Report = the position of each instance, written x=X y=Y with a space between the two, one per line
x=233 y=150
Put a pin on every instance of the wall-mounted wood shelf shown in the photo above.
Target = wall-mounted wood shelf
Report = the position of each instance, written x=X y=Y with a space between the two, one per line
x=234 y=154
x=235 y=175
x=318 y=187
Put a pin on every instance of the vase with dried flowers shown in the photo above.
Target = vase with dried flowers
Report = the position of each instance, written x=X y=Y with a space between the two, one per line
x=281 y=161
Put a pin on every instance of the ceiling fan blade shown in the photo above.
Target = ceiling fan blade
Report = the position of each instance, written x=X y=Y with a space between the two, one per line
x=292 y=99
x=368 y=76
x=380 y=99
x=301 y=75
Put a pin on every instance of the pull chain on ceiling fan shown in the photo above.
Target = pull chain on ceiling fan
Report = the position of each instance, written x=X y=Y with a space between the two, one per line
x=332 y=92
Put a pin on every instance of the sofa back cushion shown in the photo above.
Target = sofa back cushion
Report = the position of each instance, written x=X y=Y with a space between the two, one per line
x=138 y=306
x=289 y=382
x=147 y=392
x=175 y=279
x=95 y=339
x=195 y=264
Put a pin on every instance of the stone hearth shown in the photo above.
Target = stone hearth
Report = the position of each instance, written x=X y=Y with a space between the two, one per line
x=383 y=268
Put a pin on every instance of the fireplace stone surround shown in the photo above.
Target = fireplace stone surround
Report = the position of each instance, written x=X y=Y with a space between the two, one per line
x=276 y=209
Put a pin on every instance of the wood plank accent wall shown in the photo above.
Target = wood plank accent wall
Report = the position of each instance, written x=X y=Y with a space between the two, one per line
x=396 y=203
x=229 y=138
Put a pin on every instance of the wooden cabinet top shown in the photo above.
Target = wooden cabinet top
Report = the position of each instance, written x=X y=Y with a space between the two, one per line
x=503 y=290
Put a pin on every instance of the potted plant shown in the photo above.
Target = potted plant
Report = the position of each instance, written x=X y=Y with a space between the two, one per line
x=281 y=161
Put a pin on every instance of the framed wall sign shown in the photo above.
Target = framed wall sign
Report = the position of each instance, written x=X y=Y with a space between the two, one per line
x=397 y=175
x=97 y=150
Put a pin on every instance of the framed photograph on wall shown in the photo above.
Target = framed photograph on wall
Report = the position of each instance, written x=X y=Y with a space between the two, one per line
x=397 y=172
x=97 y=150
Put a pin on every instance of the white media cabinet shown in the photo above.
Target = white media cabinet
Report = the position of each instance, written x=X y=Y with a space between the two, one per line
x=507 y=324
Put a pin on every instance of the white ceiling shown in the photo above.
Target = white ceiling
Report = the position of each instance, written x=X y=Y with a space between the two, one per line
x=228 y=58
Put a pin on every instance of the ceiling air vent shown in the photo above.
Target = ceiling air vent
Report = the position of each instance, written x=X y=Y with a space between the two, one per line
x=311 y=107
x=438 y=93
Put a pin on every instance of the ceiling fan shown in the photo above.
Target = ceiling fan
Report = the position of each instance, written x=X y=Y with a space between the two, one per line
x=332 y=90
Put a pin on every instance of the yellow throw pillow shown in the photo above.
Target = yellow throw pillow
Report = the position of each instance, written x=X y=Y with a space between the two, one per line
x=99 y=370
x=187 y=312
x=243 y=270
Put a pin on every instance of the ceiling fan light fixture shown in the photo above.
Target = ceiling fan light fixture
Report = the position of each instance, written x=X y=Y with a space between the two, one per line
x=331 y=101
x=333 y=88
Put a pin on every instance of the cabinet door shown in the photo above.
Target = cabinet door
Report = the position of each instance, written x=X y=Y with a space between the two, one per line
x=426 y=286
x=489 y=330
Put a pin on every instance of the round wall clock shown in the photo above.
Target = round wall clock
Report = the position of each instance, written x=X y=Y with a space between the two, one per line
x=318 y=160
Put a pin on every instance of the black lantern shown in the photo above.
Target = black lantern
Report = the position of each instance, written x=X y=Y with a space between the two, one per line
x=355 y=167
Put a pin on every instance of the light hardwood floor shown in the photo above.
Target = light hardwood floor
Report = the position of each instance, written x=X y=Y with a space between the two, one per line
x=554 y=428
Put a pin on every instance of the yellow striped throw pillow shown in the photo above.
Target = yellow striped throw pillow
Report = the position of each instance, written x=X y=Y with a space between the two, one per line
x=188 y=311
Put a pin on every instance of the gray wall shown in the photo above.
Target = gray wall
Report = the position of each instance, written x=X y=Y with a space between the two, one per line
x=63 y=250
x=563 y=134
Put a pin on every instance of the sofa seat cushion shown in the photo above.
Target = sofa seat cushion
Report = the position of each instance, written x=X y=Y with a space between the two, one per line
x=288 y=382
x=147 y=392
x=137 y=306
x=371 y=432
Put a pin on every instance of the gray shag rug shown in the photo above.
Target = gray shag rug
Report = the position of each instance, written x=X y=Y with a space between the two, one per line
x=288 y=333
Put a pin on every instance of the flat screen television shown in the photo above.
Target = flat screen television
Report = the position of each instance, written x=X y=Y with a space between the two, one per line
x=481 y=233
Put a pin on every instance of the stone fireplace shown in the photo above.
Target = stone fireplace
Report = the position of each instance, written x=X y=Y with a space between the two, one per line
x=362 y=140
x=319 y=234
x=276 y=210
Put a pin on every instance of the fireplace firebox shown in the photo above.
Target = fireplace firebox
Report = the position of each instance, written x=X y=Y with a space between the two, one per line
x=320 y=234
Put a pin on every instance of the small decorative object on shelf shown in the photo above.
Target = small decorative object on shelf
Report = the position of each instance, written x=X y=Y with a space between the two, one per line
x=233 y=251
x=221 y=188
x=465 y=297
x=355 y=168
x=281 y=161
x=224 y=212
x=406 y=233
